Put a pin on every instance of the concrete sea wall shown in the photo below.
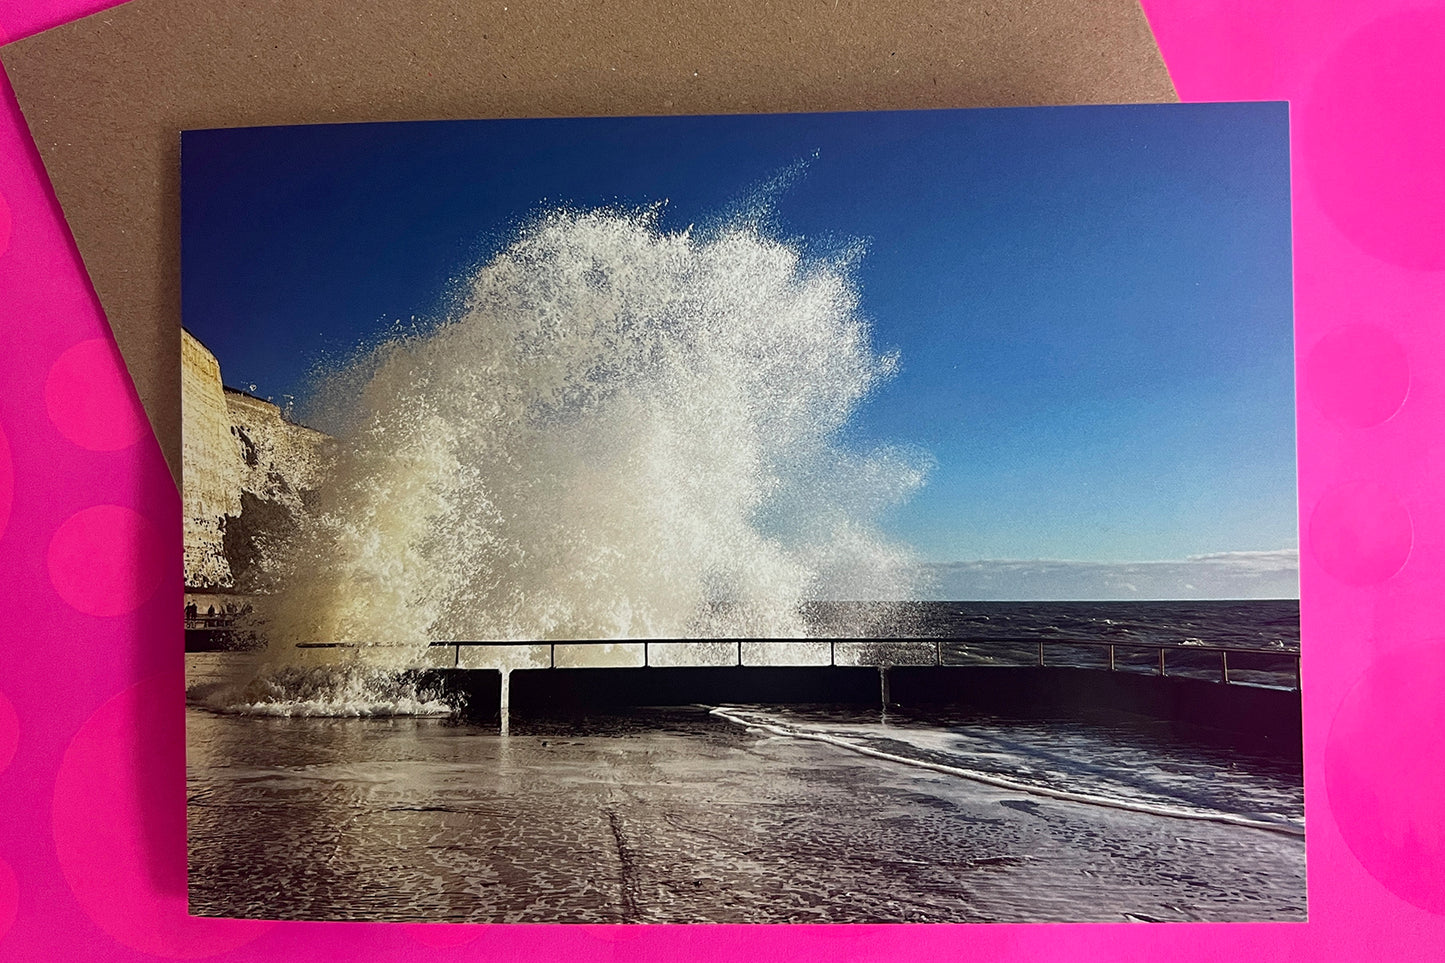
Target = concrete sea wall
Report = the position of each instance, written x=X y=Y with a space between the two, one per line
x=1259 y=719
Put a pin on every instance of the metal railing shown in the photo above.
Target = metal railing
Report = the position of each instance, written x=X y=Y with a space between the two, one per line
x=210 y=621
x=956 y=652
x=1161 y=650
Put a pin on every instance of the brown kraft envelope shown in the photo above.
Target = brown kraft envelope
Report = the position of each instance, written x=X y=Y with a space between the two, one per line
x=106 y=96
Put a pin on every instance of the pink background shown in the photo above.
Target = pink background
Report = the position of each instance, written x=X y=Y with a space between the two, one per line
x=91 y=750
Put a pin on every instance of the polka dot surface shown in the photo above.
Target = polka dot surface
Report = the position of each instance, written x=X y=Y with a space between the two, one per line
x=9 y=897
x=96 y=870
x=119 y=817
x=1358 y=376
x=1374 y=141
x=6 y=224
x=9 y=731
x=107 y=560
x=88 y=398
x=7 y=481
x=1385 y=769
x=1360 y=533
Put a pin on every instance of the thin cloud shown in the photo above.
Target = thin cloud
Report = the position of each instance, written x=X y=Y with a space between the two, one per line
x=1219 y=575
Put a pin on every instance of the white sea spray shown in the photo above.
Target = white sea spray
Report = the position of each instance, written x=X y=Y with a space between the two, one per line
x=620 y=432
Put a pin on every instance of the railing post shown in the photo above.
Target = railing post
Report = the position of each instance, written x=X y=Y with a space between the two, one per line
x=504 y=700
x=1278 y=680
x=883 y=692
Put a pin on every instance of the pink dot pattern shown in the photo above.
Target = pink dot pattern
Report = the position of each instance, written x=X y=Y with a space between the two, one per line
x=1358 y=376
x=120 y=828
x=107 y=560
x=94 y=868
x=1375 y=143
x=89 y=399
x=9 y=898
x=7 y=481
x=9 y=731
x=1387 y=796
x=5 y=224
x=1360 y=533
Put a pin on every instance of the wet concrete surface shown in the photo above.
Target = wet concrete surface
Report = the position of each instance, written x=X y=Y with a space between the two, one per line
x=673 y=815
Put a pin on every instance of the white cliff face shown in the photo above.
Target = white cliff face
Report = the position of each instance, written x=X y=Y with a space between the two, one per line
x=278 y=460
x=245 y=471
x=209 y=483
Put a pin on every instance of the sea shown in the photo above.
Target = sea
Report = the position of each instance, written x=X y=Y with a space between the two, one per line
x=366 y=800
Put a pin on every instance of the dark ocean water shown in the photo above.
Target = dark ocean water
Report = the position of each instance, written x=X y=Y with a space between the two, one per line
x=1262 y=636
x=1268 y=623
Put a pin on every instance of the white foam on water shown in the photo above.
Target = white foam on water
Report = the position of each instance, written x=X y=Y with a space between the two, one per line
x=338 y=691
x=858 y=743
x=619 y=432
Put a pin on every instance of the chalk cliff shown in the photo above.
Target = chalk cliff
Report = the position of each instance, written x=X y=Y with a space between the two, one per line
x=245 y=472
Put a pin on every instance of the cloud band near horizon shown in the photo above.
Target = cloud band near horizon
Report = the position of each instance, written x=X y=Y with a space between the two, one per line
x=1221 y=575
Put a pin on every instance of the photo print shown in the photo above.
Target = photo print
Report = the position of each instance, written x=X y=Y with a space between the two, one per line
x=860 y=517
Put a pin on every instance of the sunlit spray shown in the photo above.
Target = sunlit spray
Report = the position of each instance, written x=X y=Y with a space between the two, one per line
x=619 y=433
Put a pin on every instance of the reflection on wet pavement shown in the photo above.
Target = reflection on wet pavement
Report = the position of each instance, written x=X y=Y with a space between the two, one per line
x=670 y=815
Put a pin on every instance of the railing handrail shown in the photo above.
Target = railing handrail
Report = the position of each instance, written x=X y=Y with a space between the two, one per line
x=936 y=643
x=215 y=621
x=922 y=640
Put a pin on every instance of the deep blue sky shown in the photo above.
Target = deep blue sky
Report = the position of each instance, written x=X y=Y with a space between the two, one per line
x=1092 y=304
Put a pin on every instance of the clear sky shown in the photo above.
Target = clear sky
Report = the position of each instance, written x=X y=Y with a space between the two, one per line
x=1092 y=305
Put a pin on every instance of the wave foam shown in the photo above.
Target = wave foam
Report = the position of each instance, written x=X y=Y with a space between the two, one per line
x=619 y=432
x=344 y=691
x=776 y=727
